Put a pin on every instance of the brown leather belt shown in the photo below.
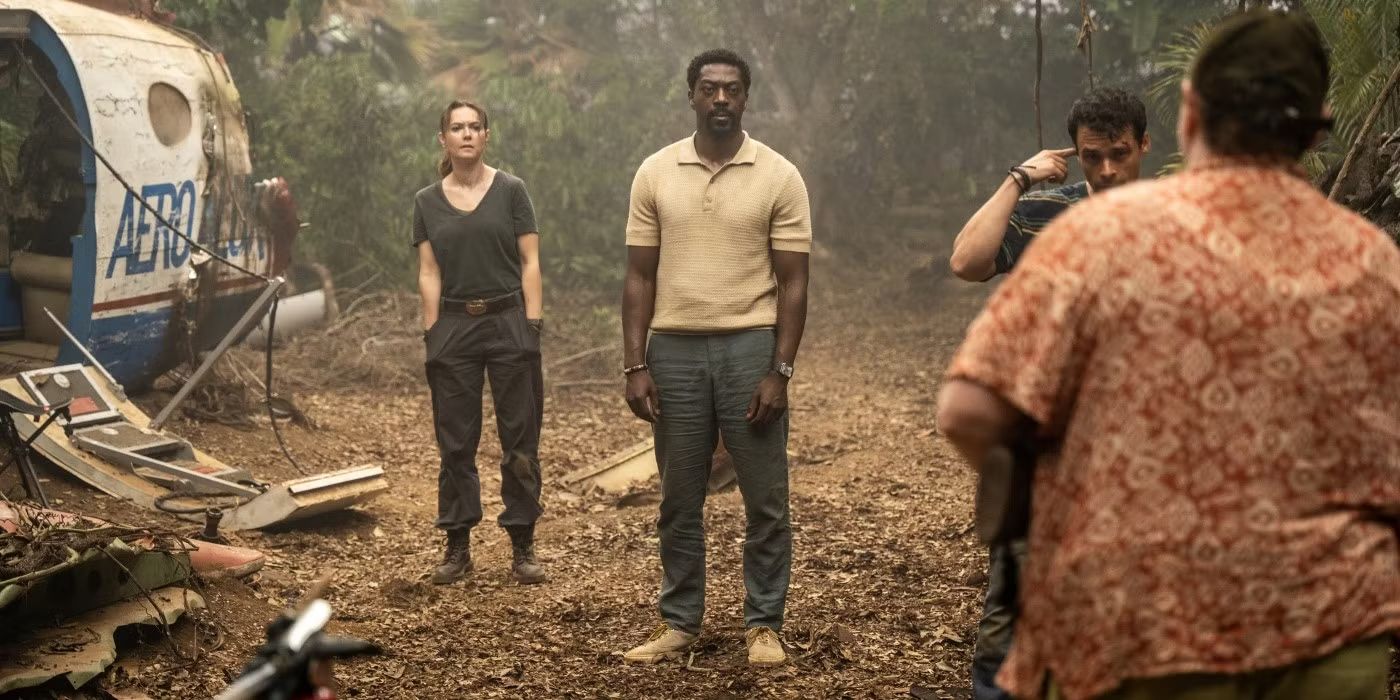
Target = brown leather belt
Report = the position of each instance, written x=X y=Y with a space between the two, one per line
x=480 y=307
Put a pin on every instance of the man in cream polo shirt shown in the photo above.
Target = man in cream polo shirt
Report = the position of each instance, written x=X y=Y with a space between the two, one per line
x=717 y=240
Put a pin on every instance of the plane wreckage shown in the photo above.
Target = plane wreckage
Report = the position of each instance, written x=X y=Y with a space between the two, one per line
x=132 y=235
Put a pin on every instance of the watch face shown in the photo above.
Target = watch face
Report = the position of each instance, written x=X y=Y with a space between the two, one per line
x=785 y=369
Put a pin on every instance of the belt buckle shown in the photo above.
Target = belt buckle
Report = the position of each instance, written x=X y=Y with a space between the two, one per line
x=476 y=307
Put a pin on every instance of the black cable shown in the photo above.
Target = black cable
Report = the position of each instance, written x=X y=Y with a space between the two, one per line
x=130 y=190
x=267 y=387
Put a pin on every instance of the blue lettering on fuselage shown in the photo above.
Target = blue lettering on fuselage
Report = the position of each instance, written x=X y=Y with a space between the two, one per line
x=145 y=244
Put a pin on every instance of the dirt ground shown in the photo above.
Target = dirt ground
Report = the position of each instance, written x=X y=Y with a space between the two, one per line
x=887 y=578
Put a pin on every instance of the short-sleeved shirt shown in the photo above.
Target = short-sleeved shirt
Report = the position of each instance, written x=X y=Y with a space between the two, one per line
x=1217 y=355
x=716 y=231
x=476 y=250
x=1034 y=211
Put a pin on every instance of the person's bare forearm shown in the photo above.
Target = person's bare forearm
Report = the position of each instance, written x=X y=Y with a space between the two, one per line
x=792 y=320
x=638 y=304
x=430 y=291
x=975 y=248
x=976 y=419
x=532 y=284
x=531 y=278
x=792 y=274
x=429 y=284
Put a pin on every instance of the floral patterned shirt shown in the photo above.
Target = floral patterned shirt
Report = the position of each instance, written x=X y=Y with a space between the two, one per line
x=1216 y=356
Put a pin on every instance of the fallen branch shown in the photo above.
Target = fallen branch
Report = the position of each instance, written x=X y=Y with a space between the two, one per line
x=690 y=665
x=155 y=609
x=586 y=382
x=348 y=315
x=379 y=341
x=580 y=355
x=361 y=286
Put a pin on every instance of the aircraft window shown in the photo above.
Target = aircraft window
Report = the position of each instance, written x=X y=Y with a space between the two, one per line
x=170 y=114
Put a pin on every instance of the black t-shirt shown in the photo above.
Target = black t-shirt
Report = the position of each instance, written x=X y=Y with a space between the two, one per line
x=476 y=250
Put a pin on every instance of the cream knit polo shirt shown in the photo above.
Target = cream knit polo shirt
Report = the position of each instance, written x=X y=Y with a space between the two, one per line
x=716 y=231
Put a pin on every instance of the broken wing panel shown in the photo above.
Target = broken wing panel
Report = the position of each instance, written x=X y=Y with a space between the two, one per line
x=279 y=503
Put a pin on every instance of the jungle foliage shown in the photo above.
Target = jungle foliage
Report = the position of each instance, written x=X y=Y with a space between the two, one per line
x=879 y=102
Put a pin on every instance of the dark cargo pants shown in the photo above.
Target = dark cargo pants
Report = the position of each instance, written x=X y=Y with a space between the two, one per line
x=460 y=348
x=999 y=613
x=706 y=383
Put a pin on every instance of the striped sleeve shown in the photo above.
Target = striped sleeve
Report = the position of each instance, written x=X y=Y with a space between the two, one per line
x=1032 y=214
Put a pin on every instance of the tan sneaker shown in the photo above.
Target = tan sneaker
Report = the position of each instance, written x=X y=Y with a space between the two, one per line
x=765 y=649
x=664 y=643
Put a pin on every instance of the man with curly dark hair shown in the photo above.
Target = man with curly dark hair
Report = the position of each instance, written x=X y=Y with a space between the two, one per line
x=1108 y=127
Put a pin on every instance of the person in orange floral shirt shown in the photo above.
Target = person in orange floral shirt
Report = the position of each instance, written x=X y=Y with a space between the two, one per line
x=1213 y=362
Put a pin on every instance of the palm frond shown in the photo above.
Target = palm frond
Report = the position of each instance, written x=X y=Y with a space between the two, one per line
x=1173 y=64
x=1363 y=37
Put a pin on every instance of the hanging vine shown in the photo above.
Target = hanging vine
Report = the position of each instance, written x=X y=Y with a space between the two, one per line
x=1085 y=42
x=1039 y=72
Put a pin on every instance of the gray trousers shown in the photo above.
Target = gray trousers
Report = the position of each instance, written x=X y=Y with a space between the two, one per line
x=706 y=383
x=460 y=350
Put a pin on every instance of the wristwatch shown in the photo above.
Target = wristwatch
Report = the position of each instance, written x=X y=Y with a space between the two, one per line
x=784 y=369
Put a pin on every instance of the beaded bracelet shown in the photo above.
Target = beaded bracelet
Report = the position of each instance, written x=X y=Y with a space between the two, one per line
x=1020 y=177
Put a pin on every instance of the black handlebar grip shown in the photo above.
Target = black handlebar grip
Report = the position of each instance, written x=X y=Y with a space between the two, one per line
x=331 y=647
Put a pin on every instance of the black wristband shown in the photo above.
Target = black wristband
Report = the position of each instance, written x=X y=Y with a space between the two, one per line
x=1020 y=177
x=536 y=324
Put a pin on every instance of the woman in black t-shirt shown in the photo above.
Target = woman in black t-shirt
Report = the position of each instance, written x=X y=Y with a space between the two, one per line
x=479 y=279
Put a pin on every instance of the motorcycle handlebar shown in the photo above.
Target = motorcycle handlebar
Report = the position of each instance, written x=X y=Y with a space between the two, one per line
x=292 y=652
